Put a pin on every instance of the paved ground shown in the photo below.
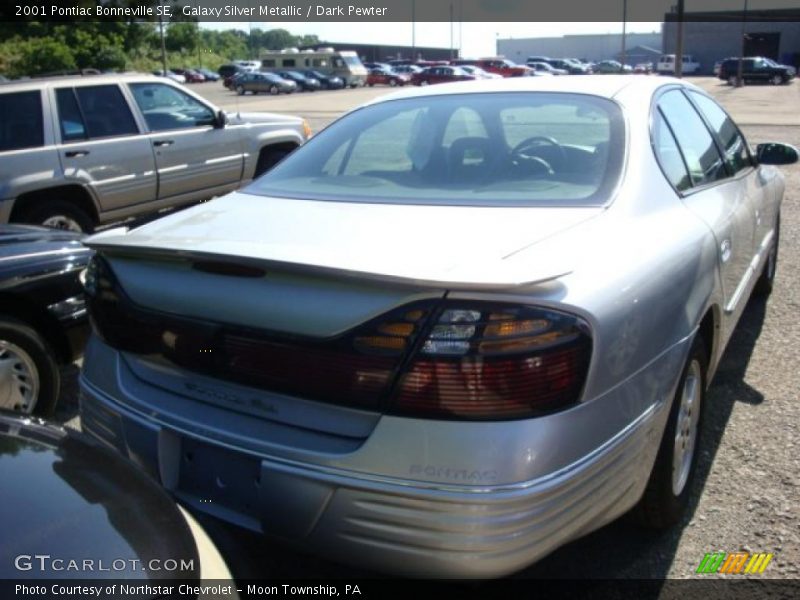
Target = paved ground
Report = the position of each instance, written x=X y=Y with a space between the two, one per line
x=750 y=467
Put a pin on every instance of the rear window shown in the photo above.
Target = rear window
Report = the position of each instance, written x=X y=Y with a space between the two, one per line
x=475 y=149
x=21 y=121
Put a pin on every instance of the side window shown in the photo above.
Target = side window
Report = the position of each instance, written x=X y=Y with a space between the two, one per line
x=736 y=155
x=70 y=119
x=698 y=148
x=669 y=156
x=21 y=121
x=288 y=62
x=105 y=111
x=165 y=107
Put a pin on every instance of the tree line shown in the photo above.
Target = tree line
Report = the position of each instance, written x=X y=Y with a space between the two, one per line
x=33 y=47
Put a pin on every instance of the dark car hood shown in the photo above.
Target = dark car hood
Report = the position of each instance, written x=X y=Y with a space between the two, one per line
x=25 y=246
x=14 y=234
x=65 y=496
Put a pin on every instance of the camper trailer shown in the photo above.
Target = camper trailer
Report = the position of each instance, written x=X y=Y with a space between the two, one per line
x=343 y=63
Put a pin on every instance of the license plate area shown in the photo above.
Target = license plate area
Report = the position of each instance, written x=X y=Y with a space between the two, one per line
x=219 y=478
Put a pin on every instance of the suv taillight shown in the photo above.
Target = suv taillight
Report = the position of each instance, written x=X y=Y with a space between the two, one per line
x=494 y=362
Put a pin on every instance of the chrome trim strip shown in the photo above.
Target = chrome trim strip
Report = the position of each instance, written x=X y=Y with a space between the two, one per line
x=752 y=270
x=212 y=161
x=175 y=168
x=46 y=253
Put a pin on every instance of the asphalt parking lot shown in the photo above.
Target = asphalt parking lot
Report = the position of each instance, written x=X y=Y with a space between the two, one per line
x=750 y=465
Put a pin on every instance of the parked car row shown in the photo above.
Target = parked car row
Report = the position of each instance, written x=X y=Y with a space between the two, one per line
x=281 y=82
x=198 y=75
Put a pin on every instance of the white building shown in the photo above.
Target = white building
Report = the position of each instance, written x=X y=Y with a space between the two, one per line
x=591 y=47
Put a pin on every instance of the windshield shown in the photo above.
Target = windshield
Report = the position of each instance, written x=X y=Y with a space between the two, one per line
x=353 y=61
x=482 y=149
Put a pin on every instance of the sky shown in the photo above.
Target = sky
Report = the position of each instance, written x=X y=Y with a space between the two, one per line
x=474 y=39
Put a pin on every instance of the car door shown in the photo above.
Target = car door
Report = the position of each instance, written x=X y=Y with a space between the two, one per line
x=720 y=200
x=100 y=144
x=744 y=168
x=194 y=157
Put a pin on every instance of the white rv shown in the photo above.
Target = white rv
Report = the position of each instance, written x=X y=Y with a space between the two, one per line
x=342 y=63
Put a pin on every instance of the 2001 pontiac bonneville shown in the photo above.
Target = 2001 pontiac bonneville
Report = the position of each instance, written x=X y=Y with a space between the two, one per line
x=458 y=328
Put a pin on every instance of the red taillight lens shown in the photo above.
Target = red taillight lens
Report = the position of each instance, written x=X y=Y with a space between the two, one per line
x=494 y=362
x=434 y=359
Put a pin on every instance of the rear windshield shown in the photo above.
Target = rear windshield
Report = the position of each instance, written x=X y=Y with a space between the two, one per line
x=519 y=148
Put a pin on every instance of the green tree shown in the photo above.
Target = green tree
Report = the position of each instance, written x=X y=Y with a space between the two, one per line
x=41 y=55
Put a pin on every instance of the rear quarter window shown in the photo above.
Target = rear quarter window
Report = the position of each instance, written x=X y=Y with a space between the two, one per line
x=21 y=124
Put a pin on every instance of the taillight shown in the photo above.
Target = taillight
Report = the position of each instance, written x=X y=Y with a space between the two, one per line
x=433 y=358
x=494 y=362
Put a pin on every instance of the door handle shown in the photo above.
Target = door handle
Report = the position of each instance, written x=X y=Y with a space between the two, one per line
x=159 y=143
x=75 y=153
x=725 y=250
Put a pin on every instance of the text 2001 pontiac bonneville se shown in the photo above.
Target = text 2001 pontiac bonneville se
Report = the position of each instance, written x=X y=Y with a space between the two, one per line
x=458 y=328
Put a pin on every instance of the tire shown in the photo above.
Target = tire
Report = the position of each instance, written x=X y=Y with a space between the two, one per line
x=60 y=214
x=777 y=80
x=240 y=90
x=392 y=83
x=766 y=281
x=732 y=80
x=667 y=493
x=30 y=382
x=268 y=159
x=273 y=90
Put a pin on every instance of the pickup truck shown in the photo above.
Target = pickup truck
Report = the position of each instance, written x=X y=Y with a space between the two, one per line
x=77 y=152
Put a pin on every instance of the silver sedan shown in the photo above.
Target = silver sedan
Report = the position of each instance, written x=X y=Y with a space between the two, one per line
x=457 y=329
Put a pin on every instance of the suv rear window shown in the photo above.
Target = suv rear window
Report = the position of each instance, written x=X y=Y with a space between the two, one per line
x=21 y=120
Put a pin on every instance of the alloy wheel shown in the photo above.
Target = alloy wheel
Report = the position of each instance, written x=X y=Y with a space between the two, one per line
x=19 y=379
x=688 y=418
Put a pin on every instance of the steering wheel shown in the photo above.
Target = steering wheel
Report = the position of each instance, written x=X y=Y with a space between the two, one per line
x=524 y=153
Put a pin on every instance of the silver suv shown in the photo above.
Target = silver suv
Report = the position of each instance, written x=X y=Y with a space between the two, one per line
x=79 y=151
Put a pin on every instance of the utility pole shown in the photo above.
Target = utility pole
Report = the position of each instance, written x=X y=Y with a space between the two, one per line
x=413 y=31
x=624 y=28
x=739 y=79
x=163 y=46
x=451 y=32
x=679 y=43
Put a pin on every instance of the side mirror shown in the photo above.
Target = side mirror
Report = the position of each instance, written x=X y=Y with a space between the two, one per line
x=776 y=154
x=221 y=120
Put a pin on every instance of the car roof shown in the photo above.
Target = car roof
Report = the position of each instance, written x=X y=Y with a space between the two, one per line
x=37 y=83
x=606 y=86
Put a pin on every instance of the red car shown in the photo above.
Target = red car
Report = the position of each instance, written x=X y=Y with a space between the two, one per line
x=501 y=66
x=440 y=75
x=384 y=77
x=191 y=75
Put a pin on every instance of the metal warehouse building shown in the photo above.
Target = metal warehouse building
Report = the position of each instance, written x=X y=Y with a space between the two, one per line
x=592 y=47
x=713 y=36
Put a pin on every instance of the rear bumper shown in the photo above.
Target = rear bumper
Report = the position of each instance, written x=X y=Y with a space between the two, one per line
x=394 y=523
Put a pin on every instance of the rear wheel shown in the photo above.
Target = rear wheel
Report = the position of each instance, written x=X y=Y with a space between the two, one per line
x=59 y=214
x=29 y=376
x=732 y=80
x=392 y=83
x=240 y=90
x=670 y=484
x=273 y=89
